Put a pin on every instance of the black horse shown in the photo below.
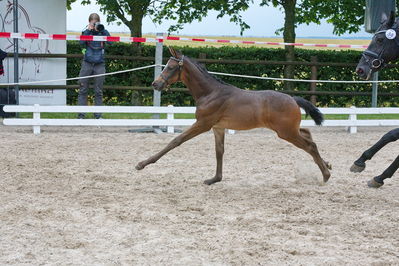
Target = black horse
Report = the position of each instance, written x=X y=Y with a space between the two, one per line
x=383 y=48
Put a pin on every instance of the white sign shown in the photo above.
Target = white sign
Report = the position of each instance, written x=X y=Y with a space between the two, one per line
x=45 y=17
x=390 y=34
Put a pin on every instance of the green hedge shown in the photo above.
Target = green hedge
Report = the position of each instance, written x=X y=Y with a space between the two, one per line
x=145 y=77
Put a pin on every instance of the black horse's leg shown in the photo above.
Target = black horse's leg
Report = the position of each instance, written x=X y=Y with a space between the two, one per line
x=360 y=164
x=219 y=148
x=378 y=181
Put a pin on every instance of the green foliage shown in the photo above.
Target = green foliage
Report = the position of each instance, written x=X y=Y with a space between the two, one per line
x=128 y=12
x=145 y=77
x=346 y=16
x=184 y=12
x=132 y=12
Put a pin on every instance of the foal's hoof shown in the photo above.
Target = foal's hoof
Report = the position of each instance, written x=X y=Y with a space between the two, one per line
x=329 y=165
x=326 y=178
x=357 y=168
x=140 y=166
x=212 y=181
x=374 y=184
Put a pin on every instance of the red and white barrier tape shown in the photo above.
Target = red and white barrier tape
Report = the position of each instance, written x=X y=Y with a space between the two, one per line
x=161 y=39
x=74 y=37
x=265 y=43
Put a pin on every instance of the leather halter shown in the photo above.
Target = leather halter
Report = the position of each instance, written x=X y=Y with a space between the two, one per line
x=178 y=68
x=375 y=60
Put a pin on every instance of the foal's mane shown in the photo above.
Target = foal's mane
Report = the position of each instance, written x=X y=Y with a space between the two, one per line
x=204 y=71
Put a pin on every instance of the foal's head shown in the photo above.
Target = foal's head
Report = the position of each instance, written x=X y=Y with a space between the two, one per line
x=172 y=72
x=384 y=47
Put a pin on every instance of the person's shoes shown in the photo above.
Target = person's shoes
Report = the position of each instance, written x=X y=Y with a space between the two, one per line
x=81 y=116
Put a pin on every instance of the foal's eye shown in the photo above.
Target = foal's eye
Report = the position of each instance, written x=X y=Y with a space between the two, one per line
x=380 y=40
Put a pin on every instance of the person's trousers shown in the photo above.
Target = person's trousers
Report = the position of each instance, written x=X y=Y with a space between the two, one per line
x=86 y=70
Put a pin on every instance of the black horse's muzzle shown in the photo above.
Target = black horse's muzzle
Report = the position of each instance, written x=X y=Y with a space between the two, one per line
x=373 y=59
x=371 y=62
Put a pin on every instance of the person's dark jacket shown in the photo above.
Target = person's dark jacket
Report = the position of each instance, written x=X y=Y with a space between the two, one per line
x=2 y=56
x=94 y=50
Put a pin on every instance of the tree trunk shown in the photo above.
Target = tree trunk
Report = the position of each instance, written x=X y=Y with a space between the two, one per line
x=136 y=22
x=136 y=26
x=289 y=36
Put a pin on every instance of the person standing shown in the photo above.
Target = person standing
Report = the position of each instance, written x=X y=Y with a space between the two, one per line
x=93 y=63
x=3 y=55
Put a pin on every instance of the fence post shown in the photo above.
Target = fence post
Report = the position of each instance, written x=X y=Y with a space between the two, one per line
x=16 y=52
x=170 y=117
x=157 y=72
x=202 y=56
x=313 y=76
x=36 y=119
x=374 y=94
x=353 y=117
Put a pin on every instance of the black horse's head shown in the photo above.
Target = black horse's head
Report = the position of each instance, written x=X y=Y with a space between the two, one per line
x=384 y=47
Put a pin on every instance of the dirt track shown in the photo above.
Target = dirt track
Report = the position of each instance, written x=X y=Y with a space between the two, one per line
x=72 y=196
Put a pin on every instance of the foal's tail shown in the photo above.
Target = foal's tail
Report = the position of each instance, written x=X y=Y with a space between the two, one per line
x=310 y=109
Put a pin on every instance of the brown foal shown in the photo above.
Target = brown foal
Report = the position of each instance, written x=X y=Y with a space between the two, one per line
x=221 y=106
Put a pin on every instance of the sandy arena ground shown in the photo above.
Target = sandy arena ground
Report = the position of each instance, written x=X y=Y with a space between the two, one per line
x=72 y=196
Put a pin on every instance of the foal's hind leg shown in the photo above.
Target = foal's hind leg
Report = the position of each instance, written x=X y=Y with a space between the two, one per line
x=306 y=134
x=306 y=144
x=219 y=148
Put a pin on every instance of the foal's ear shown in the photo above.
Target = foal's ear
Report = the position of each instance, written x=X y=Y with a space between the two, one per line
x=179 y=54
x=172 y=52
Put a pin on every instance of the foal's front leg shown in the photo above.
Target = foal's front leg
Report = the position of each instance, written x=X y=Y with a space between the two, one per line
x=219 y=148
x=360 y=164
x=196 y=129
x=378 y=181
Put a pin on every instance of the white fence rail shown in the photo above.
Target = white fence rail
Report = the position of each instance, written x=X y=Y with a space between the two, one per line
x=170 y=122
x=352 y=123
